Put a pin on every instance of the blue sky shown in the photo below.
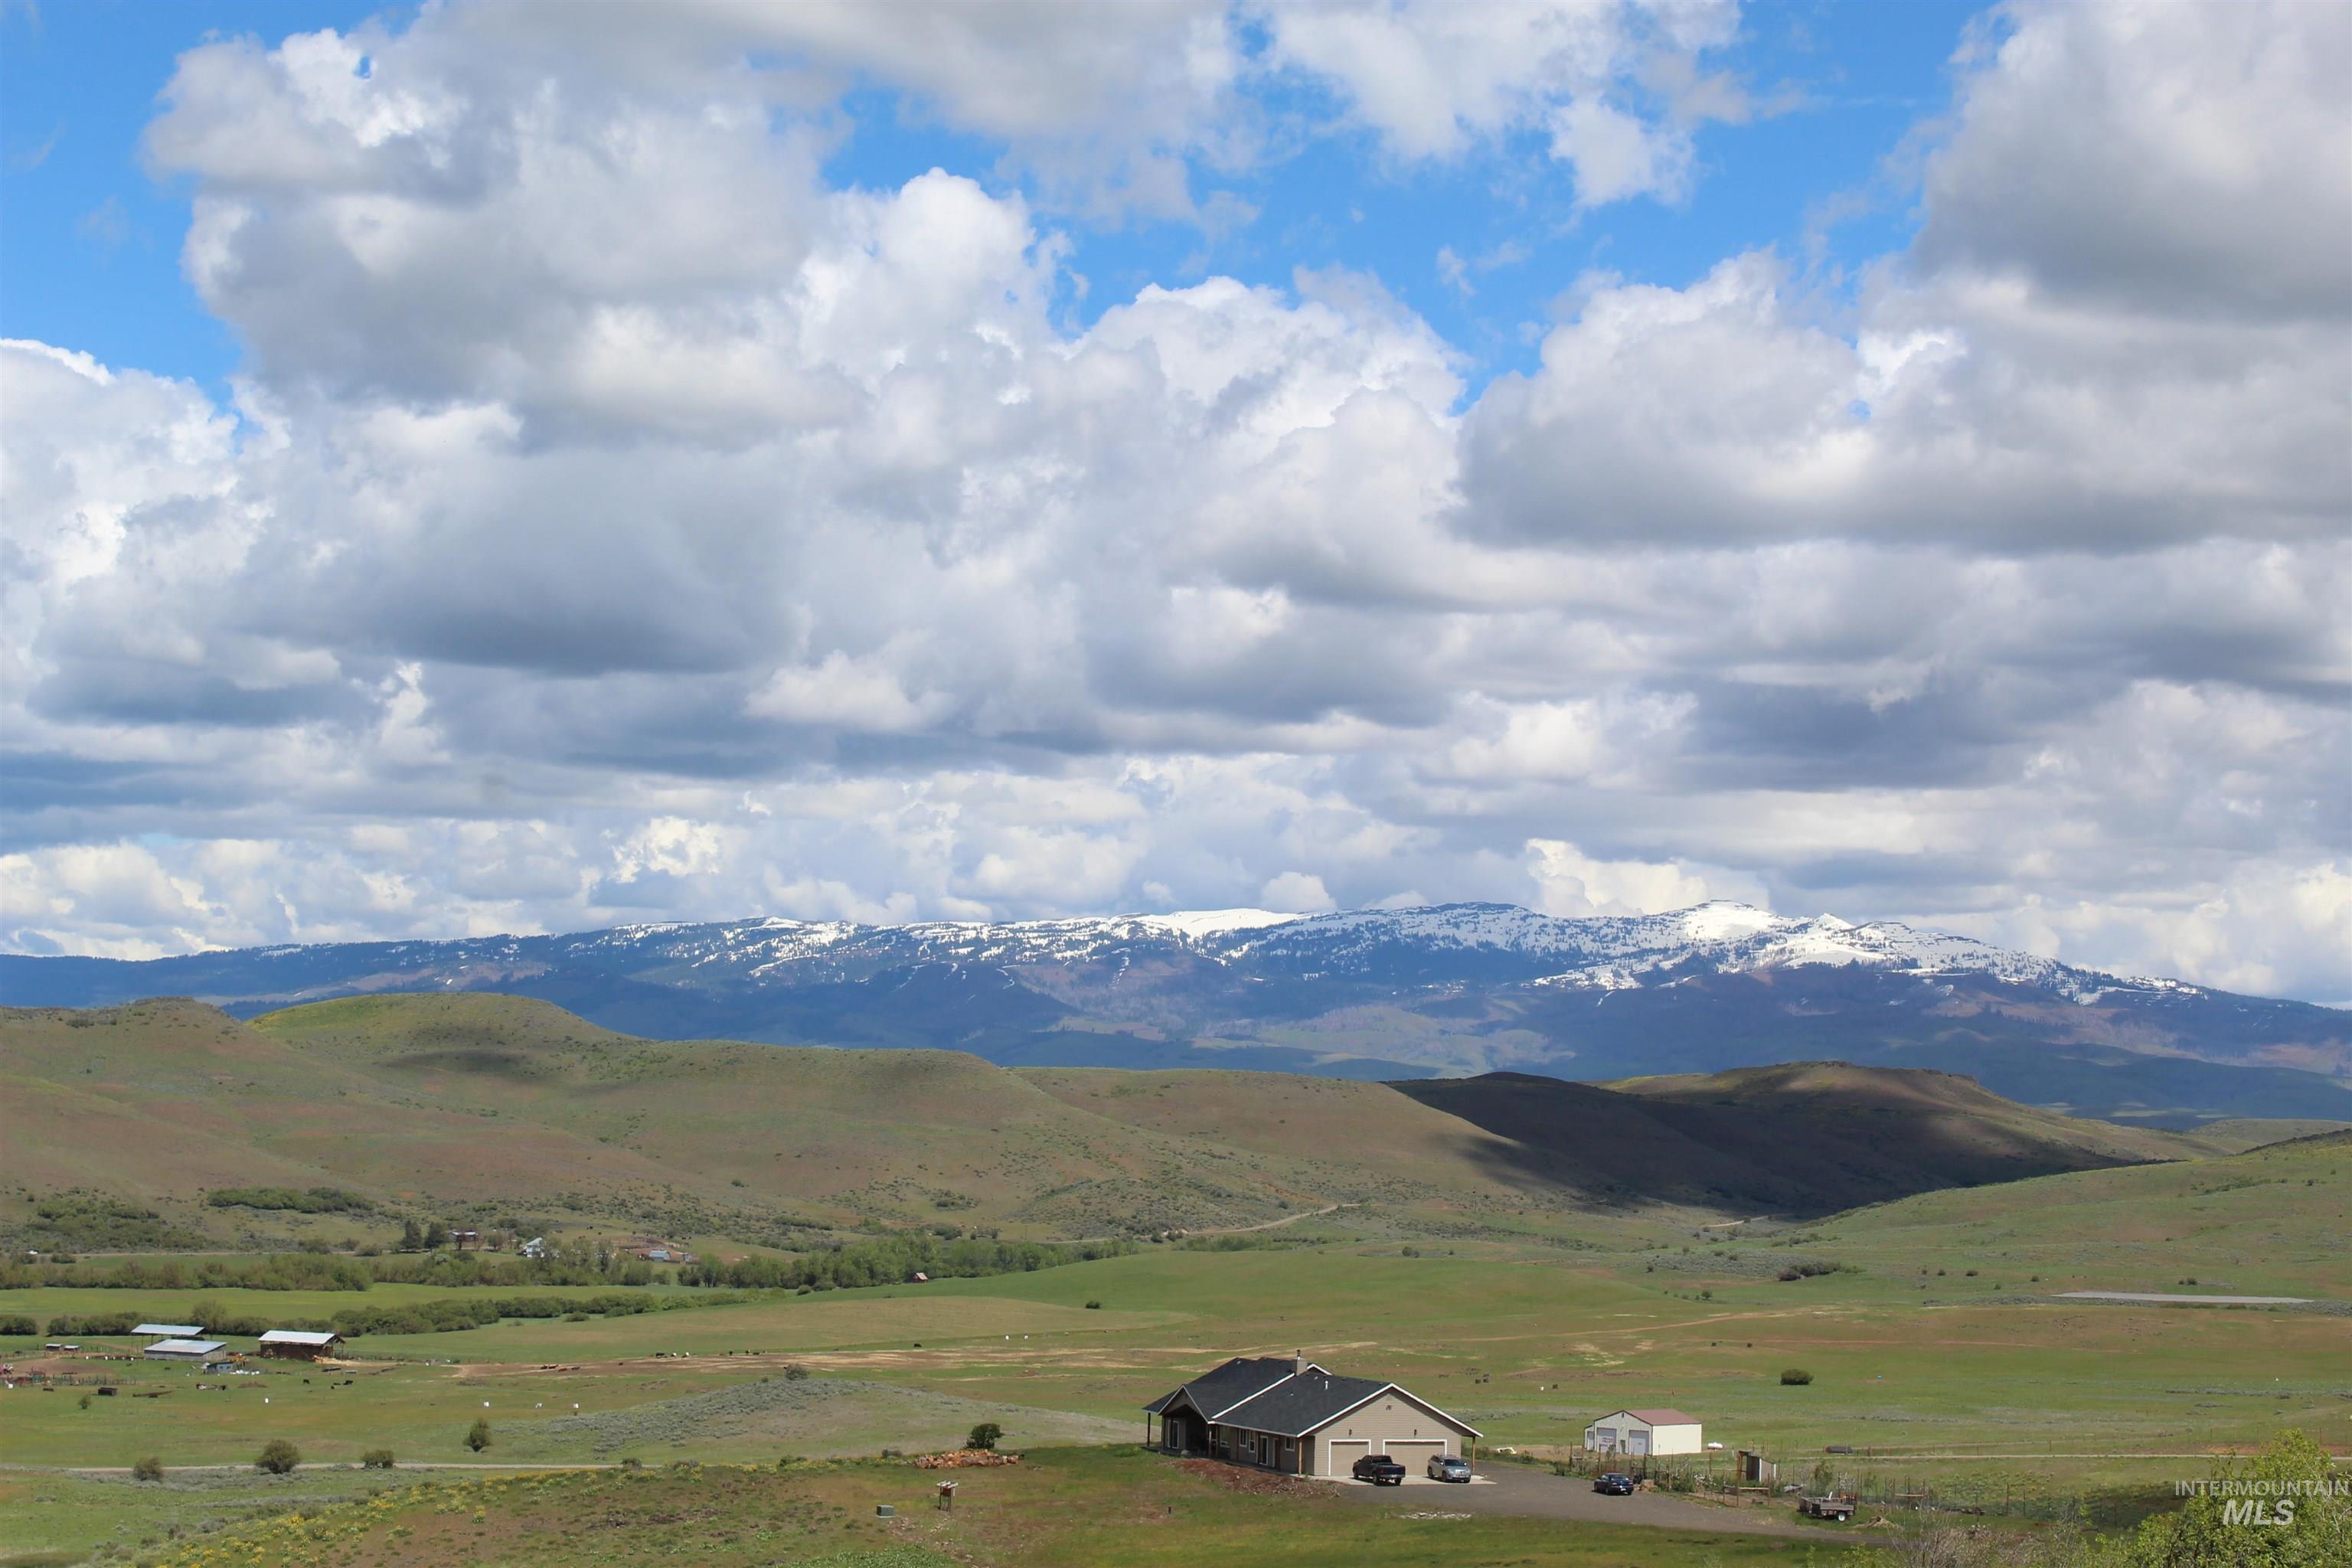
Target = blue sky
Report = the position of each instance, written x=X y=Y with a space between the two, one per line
x=89 y=250
x=525 y=467
x=90 y=246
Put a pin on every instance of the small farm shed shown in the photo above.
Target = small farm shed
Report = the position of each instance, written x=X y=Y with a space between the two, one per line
x=300 y=1345
x=1297 y=1418
x=196 y=1350
x=1643 y=1432
x=169 y=1331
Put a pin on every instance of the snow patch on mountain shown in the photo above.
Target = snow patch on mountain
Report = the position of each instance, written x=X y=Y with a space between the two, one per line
x=1728 y=939
x=1446 y=944
x=1213 y=922
x=1721 y=919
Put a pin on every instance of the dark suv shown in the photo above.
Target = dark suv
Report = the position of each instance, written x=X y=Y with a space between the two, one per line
x=1380 y=1471
x=1613 y=1484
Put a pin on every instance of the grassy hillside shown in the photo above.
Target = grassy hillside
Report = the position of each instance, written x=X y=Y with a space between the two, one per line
x=2236 y=1134
x=458 y=1103
x=2270 y=1221
x=482 y=1098
x=162 y=1099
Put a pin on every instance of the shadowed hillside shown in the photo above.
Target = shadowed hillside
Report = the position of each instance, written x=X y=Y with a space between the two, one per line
x=1803 y=1139
x=474 y=1099
x=1808 y=1138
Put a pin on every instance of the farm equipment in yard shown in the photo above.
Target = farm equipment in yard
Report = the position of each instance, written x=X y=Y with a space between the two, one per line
x=1830 y=1506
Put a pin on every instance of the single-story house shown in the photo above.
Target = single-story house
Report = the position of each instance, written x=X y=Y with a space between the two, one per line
x=1292 y=1415
x=1643 y=1432
x=184 y=1350
x=169 y=1331
x=300 y=1345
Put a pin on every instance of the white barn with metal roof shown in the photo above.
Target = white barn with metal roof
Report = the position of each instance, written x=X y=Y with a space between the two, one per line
x=184 y=1350
x=1645 y=1432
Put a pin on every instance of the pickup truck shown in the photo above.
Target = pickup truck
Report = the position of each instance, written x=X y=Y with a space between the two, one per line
x=1380 y=1471
x=1830 y=1507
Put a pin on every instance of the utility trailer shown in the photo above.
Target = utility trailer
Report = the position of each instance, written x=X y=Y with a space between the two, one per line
x=1830 y=1507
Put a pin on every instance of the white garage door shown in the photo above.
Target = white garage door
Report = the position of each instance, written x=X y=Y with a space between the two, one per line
x=1343 y=1453
x=1415 y=1454
x=1637 y=1441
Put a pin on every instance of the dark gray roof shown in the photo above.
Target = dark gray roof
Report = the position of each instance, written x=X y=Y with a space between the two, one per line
x=1300 y=1404
x=1265 y=1397
x=1215 y=1392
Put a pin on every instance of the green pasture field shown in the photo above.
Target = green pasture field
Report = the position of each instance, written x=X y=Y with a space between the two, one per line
x=1980 y=1385
x=52 y=1518
x=1529 y=1350
x=1059 y=1508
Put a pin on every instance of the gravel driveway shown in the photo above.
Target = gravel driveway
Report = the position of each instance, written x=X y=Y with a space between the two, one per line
x=1539 y=1494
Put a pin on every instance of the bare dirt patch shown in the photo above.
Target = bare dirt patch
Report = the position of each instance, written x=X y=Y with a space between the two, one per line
x=1251 y=1483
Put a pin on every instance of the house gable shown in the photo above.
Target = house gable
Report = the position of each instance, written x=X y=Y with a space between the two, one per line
x=1460 y=1425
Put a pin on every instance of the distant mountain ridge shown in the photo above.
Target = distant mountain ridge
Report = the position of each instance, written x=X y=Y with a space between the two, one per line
x=1445 y=989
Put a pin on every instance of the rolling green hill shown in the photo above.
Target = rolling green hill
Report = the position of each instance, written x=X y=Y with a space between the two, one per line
x=472 y=1102
x=2270 y=1220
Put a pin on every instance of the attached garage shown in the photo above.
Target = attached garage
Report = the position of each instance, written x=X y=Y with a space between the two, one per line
x=1414 y=1453
x=1341 y=1454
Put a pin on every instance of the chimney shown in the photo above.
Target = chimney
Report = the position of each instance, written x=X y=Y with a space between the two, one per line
x=1298 y=1364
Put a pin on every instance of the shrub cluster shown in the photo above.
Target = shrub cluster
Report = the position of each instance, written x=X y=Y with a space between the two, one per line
x=97 y=1324
x=312 y=1200
x=310 y=1271
x=474 y=1312
x=891 y=1260
x=94 y=1222
x=281 y=1271
x=1242 y=1241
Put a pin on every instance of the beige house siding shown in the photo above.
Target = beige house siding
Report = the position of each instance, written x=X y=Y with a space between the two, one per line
x=1376 y=1423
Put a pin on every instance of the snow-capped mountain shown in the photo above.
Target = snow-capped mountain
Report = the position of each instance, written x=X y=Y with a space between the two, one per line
x=1377 y=992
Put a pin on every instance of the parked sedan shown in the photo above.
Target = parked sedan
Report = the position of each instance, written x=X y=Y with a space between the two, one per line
x=1380 y=1471
x=1613 y=1484
x=1449 y=1468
